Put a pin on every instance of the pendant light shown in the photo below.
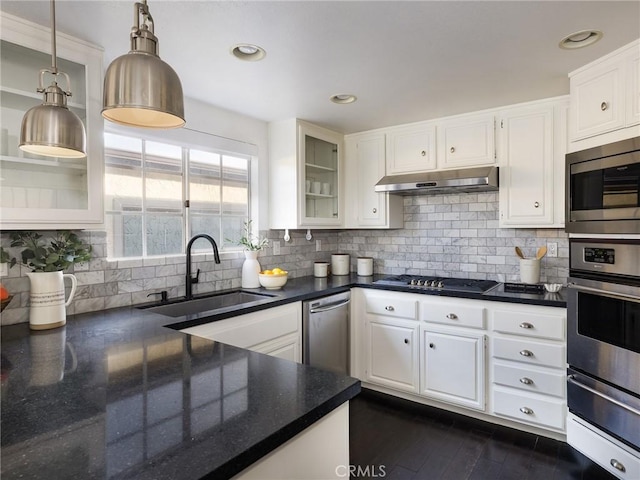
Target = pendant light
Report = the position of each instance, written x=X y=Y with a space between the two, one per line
x=140 y=90
x=51 y=129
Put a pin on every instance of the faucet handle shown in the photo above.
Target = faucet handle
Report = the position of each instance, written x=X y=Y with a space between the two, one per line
x=163 y=295
x=197 y=276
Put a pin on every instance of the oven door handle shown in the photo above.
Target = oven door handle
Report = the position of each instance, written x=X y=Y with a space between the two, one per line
x=606 y=293
x=571 y=379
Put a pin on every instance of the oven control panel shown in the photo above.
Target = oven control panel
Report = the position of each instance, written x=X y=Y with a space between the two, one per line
x=600 y=255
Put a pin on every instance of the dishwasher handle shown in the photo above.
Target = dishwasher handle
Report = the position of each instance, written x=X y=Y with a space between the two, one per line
x=329 y=306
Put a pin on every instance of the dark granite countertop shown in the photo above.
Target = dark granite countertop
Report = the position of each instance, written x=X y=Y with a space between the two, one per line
x=116 y=394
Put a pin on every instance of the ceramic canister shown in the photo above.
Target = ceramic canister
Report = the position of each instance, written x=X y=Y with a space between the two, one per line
x=365 y=266
x=340 y=264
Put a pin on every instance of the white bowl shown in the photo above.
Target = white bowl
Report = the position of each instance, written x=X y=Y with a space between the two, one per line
x=273 y=281
x=552 y=287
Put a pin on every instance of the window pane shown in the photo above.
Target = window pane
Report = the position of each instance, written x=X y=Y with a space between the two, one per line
x=235 y=186
x=232 y=229
x=124 y=235
x=204 y=186
x=164 y=234
x=209 y=224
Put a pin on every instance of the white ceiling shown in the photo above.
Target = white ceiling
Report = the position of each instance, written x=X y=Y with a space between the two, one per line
x=405 y=61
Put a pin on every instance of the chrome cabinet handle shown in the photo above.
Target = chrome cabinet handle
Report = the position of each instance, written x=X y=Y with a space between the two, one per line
x=605 y=293
x=536 y=204
x=526 y=325
x=617 y=465
x=453 y=149
x=423 y=153
x=452 y=316
x=389 y=308
x=375 y=210
x=526 y=381
x=526 y=353
x=526 y=411
x=604 y=106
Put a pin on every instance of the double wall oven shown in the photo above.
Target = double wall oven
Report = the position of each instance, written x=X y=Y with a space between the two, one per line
x=603 y=308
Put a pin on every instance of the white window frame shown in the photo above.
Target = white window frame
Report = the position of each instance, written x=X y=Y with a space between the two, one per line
x=193 y=139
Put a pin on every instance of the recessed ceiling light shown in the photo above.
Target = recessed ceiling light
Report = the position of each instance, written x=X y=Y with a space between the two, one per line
x=343 y=98
x=248 y=52
x=580 y=39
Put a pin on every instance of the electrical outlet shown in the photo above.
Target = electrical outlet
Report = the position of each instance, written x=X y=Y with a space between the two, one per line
x=318 y=245
x=276 y=248
x=4 y=269
x=552 y=249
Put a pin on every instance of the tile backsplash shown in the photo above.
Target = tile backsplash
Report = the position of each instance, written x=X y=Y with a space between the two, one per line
x=454 y=235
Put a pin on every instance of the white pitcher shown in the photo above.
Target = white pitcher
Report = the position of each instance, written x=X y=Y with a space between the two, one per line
x=47 y=299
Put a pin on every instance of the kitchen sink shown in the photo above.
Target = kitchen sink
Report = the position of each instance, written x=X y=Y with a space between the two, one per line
x=216 y=301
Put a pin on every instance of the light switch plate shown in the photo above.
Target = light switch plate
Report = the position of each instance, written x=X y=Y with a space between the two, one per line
x=4 y=269
x=552 y=249
x=276 y=248
x=318 y=245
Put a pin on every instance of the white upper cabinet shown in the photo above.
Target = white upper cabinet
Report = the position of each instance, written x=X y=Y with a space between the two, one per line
x=411 y=148
x=531 y=159
x=605 y=99
x=466 y=142
x=305 y=176
x=364 y=166
x=37 y=191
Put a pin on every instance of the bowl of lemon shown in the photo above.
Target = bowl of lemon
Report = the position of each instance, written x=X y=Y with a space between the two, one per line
x=273 y=279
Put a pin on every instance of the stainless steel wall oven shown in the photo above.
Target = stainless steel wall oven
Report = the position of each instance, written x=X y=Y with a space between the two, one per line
x=603 y=338
x=603 y=189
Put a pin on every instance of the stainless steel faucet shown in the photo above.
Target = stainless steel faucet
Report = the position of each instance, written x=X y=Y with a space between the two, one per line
x=191 y=280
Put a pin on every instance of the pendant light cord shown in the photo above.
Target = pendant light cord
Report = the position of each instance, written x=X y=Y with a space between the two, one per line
x=54 y=62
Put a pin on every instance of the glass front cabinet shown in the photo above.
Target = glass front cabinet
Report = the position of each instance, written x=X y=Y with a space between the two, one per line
x=306 y=174
x=38 y=191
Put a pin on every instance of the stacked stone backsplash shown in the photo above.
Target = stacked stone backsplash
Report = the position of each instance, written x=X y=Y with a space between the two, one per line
x=448 y=235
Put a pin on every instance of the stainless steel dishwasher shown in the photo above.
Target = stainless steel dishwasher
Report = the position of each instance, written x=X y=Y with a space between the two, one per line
x=325 y=330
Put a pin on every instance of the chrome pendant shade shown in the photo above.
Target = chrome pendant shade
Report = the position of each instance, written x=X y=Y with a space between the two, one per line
x=51 y=129
x=140 y=90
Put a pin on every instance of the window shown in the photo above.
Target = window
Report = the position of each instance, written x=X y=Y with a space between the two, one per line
x=158 y=194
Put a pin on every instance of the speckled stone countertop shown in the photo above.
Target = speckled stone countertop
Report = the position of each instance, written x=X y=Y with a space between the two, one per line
x=117 y=394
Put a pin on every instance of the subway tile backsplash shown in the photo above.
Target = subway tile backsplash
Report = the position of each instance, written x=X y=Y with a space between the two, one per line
x=454 y=235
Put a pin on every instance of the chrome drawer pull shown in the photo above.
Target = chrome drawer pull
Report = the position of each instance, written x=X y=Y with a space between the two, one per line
x=526 y=381
x=526 y=353
x=452 y=316
x=526 y=411
x=617 y=465
x=604 y=106
x=526 y=325
x=389 y=308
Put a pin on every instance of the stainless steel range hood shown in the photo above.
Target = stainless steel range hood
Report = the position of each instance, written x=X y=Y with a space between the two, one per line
x=478 y=179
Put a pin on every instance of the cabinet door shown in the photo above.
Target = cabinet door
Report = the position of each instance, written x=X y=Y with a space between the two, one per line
x=365 y=158
x=393 y=353
x=411 y=149
x=319 y=156
x=466 y=142
x=287 y=348
x=453 y=367
x=633 y=90
x=47 y=192
x=597 y=101
x=527 y=167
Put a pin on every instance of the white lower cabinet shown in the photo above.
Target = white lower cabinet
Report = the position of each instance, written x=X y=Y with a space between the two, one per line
x=504 y=361
x=528 y=365
x=393 y=353
x=453 y=367
x=612 y=455
x=274 y=331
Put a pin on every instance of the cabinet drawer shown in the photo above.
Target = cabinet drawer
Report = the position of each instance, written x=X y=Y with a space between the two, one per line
x=452 y=314
x=527 y=351
x=530 y=379
x=529 y=324
x=392 y=306
x=536 y=409
x=601 y=448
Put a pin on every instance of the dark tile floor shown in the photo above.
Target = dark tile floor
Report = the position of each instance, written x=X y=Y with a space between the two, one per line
x=393 y=438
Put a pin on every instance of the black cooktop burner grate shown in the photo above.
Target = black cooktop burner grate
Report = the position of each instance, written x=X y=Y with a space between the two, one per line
x=439 y=283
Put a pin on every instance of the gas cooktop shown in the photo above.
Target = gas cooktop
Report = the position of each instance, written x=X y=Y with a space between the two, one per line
x=420 y=282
